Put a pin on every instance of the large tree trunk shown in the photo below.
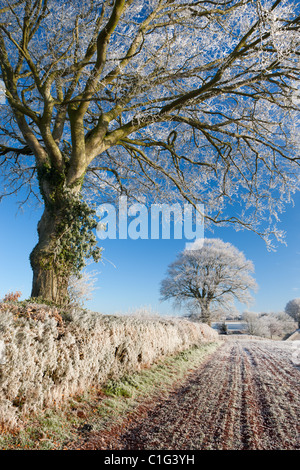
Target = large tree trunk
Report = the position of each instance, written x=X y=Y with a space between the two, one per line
x=205 y=316
x=205 y=312
x=48 y=283
x=65 y=238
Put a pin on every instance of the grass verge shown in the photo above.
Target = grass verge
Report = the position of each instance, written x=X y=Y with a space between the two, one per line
x=98 y=408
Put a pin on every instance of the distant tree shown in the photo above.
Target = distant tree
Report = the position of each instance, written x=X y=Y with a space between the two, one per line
x=217 y=273
x=190 y=101
x=253 y=324
x=288 y=324
x=272 y=325
x=292 y=309
x=268 y=325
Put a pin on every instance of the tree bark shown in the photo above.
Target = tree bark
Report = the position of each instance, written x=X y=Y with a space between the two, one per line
x=48 y=283
x=205 y=313
x=205 y=316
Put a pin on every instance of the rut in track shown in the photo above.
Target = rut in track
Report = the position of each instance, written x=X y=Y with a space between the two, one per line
x=245 y=397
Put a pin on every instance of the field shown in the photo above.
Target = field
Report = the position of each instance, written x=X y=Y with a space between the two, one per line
x=245 y=396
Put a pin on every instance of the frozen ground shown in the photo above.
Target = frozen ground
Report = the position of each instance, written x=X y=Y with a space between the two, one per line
x=246 y=396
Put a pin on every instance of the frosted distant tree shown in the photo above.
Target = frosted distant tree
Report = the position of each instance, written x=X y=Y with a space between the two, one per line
x=253 y=325
x=269 y=325
x=216 y=274
x=171 y=100
x=292 y=309
x=288 y=324
x=277 y=324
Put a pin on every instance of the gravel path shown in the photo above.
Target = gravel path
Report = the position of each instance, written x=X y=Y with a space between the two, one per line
x=246 y=396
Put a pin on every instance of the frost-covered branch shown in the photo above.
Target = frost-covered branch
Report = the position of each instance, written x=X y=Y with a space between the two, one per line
x=166 y=100
x=215 y=274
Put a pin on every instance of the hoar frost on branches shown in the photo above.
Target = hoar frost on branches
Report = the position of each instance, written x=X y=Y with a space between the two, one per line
x=170 y=100
x=214 y=275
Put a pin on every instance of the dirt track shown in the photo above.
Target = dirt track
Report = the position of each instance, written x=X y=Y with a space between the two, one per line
x=246 y=396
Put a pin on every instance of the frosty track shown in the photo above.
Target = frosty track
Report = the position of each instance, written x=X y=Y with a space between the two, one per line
x=244 y=397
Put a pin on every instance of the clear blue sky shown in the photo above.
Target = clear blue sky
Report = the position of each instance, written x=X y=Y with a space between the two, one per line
x=130 y=274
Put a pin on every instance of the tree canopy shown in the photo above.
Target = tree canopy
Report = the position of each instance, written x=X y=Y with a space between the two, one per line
x=165 y=100
x=215 y=274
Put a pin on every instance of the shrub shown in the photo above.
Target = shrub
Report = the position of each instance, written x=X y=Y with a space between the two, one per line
x=12 y=296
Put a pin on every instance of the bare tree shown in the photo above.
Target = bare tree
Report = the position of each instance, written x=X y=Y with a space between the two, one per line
x=182 y=100
x=253 y=325
x=292 y=309
x=217 y=273
x=269 y=325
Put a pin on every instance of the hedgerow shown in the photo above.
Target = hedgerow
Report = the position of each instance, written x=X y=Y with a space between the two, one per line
x=49 y=356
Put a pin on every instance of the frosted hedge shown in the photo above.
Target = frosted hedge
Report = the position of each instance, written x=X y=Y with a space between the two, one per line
x=46 y=361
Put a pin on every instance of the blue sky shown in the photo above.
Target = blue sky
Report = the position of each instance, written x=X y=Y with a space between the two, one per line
x=131 y=271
